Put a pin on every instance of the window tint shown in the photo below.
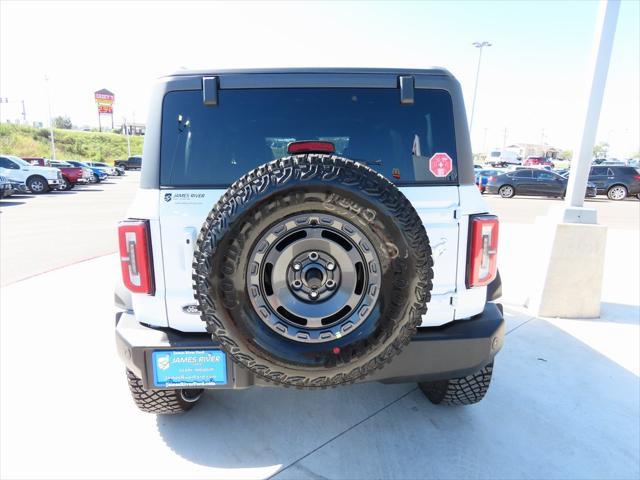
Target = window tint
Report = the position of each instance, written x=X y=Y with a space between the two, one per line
x=6 y=163
x=599 y=170
x=213 y=146
x=522 y=174
x=545 y=175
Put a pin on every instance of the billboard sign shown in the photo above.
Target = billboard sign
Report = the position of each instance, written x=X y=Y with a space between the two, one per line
x=104 y=97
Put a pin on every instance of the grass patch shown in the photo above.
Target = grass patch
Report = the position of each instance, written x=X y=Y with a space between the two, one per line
x=24 y=141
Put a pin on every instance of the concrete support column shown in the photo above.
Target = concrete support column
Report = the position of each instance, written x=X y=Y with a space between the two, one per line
x=568 y=282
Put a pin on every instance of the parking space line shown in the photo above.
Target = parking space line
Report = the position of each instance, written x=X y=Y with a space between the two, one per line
x=58 y=268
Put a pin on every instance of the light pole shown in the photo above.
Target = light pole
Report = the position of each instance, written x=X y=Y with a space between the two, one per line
x=53 y=142
x=126 y=129
x=479 y=45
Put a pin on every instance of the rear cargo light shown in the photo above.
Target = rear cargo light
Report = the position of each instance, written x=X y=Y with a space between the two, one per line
x=313 y=146
x=135 y=256
x=482 y=262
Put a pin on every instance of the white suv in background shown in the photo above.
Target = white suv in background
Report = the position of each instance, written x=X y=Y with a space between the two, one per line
x=37 y=179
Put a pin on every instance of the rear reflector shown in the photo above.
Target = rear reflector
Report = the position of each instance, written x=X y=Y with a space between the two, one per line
x=482 y=263
x=311 y=146
x=135 y=256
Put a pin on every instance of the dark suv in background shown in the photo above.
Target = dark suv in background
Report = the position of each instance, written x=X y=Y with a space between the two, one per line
x=616 y=182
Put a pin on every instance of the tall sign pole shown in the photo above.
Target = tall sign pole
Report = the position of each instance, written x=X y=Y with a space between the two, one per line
x=104 y=101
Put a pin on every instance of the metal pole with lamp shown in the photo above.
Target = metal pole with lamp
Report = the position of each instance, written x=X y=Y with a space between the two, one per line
x=53 y=142
x=126 y=129
x=479 y=45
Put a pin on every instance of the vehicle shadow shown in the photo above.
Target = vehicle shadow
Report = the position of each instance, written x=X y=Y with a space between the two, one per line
x=10 y=203
x=64 y=192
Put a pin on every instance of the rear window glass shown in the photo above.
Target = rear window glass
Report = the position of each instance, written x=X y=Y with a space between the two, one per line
x=214 y=146
x=522 y=174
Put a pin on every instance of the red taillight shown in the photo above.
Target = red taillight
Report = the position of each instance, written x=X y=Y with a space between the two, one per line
x=311 y=146
x=636 y=178
x=482 y=263
x=135 y=256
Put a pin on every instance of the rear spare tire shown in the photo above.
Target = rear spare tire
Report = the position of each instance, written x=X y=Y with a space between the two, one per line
x=312 y=271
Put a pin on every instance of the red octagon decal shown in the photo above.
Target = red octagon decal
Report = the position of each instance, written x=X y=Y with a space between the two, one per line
x=440 y=164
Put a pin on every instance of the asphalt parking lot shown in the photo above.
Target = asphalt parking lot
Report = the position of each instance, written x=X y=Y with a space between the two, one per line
x=43 y=232
x=564 y=402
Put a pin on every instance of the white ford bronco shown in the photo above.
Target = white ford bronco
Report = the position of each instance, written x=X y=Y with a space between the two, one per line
x=307 y=228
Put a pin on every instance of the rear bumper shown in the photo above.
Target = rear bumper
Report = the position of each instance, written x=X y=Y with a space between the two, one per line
x=435 y=353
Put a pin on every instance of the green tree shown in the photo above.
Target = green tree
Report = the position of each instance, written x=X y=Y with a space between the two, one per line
x=600 y=150
x=566 y=154
x=62 y=122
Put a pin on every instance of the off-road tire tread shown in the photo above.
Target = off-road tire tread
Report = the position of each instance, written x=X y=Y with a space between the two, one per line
x=161 y=402
x=459 y=391
x=303 y=168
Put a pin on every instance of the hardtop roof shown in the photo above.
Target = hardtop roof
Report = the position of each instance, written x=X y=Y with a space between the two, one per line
x=439 y=71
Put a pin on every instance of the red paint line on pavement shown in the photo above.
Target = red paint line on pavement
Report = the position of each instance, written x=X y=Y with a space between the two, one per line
x=58 y=268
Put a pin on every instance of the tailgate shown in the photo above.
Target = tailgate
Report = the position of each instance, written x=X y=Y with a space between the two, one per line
x=182 y=212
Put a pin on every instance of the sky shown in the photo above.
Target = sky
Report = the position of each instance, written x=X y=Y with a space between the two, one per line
x=533 y=81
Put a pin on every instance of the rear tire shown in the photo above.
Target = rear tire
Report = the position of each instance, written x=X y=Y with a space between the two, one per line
x=162 y=402
x=66 y=185
x=37 y=185
x=507 y=191
x=459 y=391
x=617 y=192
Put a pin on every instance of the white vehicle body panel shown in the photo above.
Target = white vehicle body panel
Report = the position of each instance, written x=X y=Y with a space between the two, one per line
x=505 y=156
x=176 y=216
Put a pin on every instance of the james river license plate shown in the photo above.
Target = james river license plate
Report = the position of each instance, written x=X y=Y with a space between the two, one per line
x=179 y=368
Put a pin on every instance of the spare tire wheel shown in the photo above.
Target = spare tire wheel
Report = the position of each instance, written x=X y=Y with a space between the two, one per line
x=312 y=271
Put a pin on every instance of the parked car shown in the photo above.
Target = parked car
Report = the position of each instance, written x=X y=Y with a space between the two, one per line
x=96 y=175
x=132 y=163
x=532 y=181
x=106 y=168
x=285 y=258
x=119 y=170
x=537 y=162
x=71 y=175
x=482 y=177
x=37 y=179
x=616 y=182
x=6 y=189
